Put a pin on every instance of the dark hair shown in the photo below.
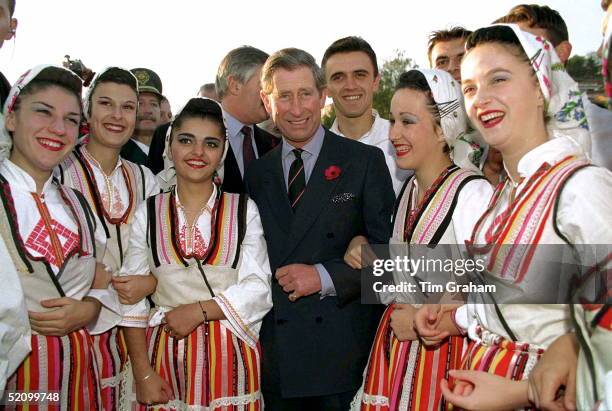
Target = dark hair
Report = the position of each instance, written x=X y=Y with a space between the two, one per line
x=52 y=76
x=541 y=17
x=415 y=80
x=350 y=44
x=11 y=7
x=605 y=4
x=200 y=108
x=115 y=75
x=441 y=36
x=503 y=35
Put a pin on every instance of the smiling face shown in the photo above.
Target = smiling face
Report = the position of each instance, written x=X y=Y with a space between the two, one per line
x=502 y=97
x=149 y=113
x=113 y=114
x=413 y=132
x=295 y=104
x=447 y=55
x=351 y=83
x=196 y=149
x=45 y=129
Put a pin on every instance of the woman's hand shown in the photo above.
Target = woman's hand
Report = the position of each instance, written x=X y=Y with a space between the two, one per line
x=354 y=256
x=153 y=390
x=181 y=321
x=133 y=288
x=478 y=390
x=402 y=322
x=69 y=315
x=433 y=324
x=555 y=369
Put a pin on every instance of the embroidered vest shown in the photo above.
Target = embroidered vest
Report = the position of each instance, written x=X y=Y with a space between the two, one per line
x=38 y=280
x=76 y=172
x=184 y=279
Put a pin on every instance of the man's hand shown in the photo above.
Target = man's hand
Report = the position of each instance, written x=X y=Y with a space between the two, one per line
x=299 y=280
x=479 y=390
x=133 y=288
x=181 y=321
x=69 y=315
x=354 y=256
x=556 y=368
x=402 y=322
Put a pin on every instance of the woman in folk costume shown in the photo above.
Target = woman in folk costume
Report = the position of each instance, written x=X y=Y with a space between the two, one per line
x=55 y=240
x=438 y=205
x=581 y=360
x=113 y=188
x=198 y=347
x=520 y=98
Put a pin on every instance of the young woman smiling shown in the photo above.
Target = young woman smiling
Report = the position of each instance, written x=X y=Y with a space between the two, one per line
x=207 y=251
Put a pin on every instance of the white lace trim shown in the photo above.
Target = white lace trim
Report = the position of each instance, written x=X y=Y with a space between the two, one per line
x=114 y=381
x=219 y=402
x=375 y=400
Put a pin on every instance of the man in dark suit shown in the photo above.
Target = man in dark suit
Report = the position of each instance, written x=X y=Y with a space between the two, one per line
x=315 y=192
x=237 y=85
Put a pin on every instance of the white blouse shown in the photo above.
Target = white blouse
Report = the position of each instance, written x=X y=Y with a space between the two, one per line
x=583 y=217
x=36 y=212
x=249 y=299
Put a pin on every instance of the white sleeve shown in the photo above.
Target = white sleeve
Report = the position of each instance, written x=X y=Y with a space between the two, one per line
x=151 y=184
x=472 y=202
x=110 y=311
x=137 y=263
x=15 y=332
x=247 y=302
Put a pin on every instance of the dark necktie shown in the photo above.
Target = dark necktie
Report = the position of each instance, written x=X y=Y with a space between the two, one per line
x=248 y=154
x=297 y=179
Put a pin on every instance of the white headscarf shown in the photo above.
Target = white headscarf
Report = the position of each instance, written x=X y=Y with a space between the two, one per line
x=167 y=177
x=561 y=93
x=465 y=149
x=6 y=142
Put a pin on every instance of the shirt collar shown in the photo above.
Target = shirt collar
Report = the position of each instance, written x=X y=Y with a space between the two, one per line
x=312 y=148
x=20 y=179
x=234 y=127
x=95 y=163
x=378 y=122
x=550 y=152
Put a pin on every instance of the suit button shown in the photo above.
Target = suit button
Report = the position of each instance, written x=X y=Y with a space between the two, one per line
x=330 y=235
x=319 y=320
x=280 y=322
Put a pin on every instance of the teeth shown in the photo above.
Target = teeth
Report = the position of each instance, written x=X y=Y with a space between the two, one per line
x=196 y=163
x=298 y=122
x=113 y=127
x=50 y=143
x=491 y=116
x=352 y=98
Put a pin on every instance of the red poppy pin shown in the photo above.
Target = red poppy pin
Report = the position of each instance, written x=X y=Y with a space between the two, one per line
x=332 y=172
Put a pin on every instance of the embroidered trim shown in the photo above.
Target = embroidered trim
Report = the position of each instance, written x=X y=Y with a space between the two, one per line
x=252 y=339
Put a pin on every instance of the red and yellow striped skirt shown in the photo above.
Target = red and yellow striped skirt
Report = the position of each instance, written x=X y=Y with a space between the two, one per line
x=59 y=364
x=111 y=355
x=218 y=371
x=405 y=375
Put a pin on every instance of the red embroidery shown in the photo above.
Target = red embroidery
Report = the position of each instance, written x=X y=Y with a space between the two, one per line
x=39 y=241
x=192 y=243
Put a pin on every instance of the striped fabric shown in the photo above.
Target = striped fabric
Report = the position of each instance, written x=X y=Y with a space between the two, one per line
x=225 y=241
x=405 y=375
x=110 y=351
x=296 y=182
x=214 y=371
x=523 y=221
x=61 y=364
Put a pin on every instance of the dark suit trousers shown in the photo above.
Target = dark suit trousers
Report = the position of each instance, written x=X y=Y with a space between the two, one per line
x=334 y=402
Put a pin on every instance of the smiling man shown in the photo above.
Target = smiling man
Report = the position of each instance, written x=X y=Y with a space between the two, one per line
x=148 y=117
x=446 y=49
x=351 y=73
x=315 y=191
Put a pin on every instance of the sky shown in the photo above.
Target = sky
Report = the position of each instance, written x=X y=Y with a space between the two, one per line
x=184 y=41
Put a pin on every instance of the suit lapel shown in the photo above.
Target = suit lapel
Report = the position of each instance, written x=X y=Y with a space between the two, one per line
x=276 y=191
x=317 y=193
